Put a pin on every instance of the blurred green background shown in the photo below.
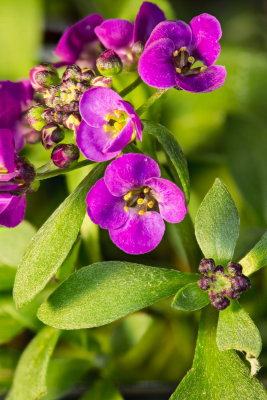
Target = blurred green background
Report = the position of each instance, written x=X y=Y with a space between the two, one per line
x=223 y=133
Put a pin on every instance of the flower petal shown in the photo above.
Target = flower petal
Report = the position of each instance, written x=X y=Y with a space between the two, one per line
x=156 y=66
x=171 y=199
x=140 y=234
x=7 y=151
x=211 y=79
x=92 y=142
x=122 y=139
x=104 y=209
x=206 y=33
x=96 y=103
x=123 y=105
x=13 y=214
x=76 y=37
x=148 y=17
x=177 y=31
x=115 y=34
x=128 y=172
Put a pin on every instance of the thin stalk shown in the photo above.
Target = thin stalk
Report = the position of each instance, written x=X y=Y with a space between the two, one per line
x=131 y=87
x=150 y=101
x=51 y=174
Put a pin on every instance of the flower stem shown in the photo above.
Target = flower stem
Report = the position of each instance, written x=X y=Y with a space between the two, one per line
x=55 y=172
x=150 y=101
x=131 y=87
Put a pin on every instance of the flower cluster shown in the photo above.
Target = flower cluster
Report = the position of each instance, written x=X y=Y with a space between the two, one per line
x=222 y=284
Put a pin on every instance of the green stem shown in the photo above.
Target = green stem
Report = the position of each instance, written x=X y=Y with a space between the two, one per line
x=51 y=174
x=131 y=87
x=150 y=101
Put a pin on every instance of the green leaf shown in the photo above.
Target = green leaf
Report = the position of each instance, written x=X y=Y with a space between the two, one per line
x=217 y=375
x=237 y=331
x=104 y=292
x=217 y=224
x=14 y=242
x=30 y=376
x=173 y=150
x=53 y=242
x=102 y=390
x=190 y=298
x=8 y=360
x=256 y=258
x=7 y=277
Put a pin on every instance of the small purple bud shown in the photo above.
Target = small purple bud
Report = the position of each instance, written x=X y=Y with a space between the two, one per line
x=64 y=155
x=34 y=117
x=220 y=302
x=219 y=270
x=44 y=75
x=51 y=134
x=58 y=117
x=72 y=121
x=206 y=265
x=72 y=72
x=204 y=283
x=234 y=268
x=109 y=63
x=87 y=75
x=26 y=170
x=232 y=294
x=47 y=115
x=102 y=81
x=213 y=278
x=73 y=106
x=240 y=283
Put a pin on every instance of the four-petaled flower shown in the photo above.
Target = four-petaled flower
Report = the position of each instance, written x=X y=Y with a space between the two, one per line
x=172 y=49
x=109 y=124
x=132 y=200
x=127 y=39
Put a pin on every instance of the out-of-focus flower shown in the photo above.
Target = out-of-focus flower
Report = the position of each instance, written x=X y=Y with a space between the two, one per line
x=172 y=49
x=131 y=201
x=127 y=39
x=109 y=124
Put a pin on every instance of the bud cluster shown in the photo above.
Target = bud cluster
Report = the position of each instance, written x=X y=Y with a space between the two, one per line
x=222 y=284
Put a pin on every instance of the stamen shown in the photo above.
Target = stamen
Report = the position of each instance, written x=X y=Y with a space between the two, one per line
x=140 y=201
x=141 y=212
x=175 y=53
x=150 y=204
x=191 y=60
x=126 y=208
x=202 y=69
x=3 y=169
x=106 y=128
x=178 y=70
x=118 y=126
x=127 y=196
x=146 y=190
x=184 y=48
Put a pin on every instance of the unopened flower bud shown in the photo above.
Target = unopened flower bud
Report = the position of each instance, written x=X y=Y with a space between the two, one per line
x=71 y=121
x=109 y=63
x=58 y=117
x=240 y=283
x=232 y=294
x=63 y=155
x=218 y=270
x=26 y=170
x=206 y=265
x=87 y=74
x=73 y=106
x=234 y=268
x=44 y=75
x=47 y=115
x=72 y=72
x=34 y=117
x=220 y=302
x=204 y=283
x=102 y=81
x=51 y=134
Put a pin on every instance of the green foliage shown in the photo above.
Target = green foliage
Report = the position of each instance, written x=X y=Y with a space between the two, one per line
x=53 y=242
x=8 y=361
x=217 y=375
x=102 y=390
x=217 y=224
x=256 y=258
x=104 y=292
x=190 y=298
x=30 y=376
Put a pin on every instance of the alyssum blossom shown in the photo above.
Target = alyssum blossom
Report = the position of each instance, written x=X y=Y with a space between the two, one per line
x=108 y=124
x=131 y=201
x=172 y=49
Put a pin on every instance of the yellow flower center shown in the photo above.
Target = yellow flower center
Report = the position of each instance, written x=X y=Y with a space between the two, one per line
x=3 y=169
x=115 y=122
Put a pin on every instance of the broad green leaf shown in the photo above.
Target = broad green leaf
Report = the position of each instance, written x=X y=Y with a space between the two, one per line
x=190 y=298
x=62 y=375
x=70 y=262
x=7 y=277
x=53 y=242
x=173 y=150
x=104 y=292
x=30 y=376
x=217 y=375
x=8 y=360
x=14 y=242
x=102 y=390
x=237 y=331
x=256 y=258
x=217 y=224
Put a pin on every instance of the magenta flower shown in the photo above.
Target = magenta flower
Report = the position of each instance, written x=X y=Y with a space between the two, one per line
x=128 y=39
x=173 y=48
x=78 y=39
x=132 y=200
x=14 y=98
x=12 y=208
x=109 y=124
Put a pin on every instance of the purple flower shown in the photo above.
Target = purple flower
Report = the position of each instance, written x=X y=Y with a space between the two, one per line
x=12 y=208
x=78 y=39
x=132 y=200
x=173 y=48
x=14 y=98
x=127 y=39
x=109 y=124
